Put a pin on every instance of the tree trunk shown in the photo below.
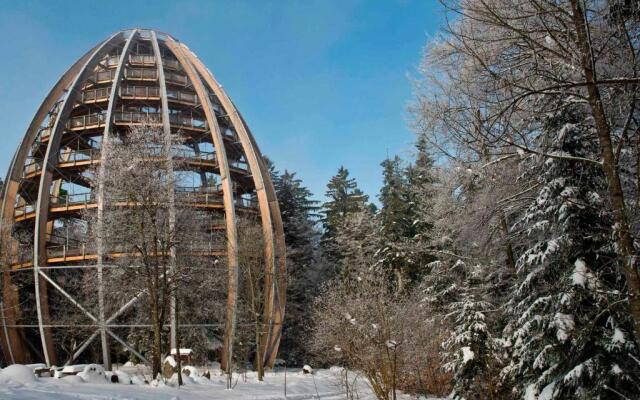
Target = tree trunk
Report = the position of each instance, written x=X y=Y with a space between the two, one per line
x=179 y=360
x=616 y=196
x=508 y=248
x=157 y=339
x=259 y=361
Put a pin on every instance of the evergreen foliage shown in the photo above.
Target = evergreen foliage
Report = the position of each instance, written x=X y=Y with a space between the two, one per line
x=570 y=335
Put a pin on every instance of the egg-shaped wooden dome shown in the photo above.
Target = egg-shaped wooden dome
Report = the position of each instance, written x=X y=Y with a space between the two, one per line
x=132 y=76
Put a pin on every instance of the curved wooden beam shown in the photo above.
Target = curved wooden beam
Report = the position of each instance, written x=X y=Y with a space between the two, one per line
x=50 y=162
x=254 y=159
x=100 y=250
x=166 y=128
x=281 y=259
x=15 y=346
x=227 y=189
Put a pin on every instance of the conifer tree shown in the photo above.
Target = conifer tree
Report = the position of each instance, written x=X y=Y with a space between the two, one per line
x=344 y=199
x=570 y=332
x=299 y=216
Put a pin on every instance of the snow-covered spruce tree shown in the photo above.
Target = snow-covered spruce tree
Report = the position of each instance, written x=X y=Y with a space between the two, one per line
x=344 y=200
x=570 y=334
x=455 y=295
x=299 y=216
x=395 y=222
x=472 y=353
x=406 y=217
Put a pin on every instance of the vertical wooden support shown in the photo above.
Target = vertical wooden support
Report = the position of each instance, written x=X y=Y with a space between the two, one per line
x=281 y=259
x=17 y=348
x=166 y=128
x=227 y=190
x=104 y=154
x=204 y=83
x=50 y=162
x=266 y=196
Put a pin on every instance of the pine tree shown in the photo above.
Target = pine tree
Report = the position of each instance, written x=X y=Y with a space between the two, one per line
x=299 y=216
x=344 y=199
x=570 y=333
x=407 y=216
x=395 y=222
x=299 y=213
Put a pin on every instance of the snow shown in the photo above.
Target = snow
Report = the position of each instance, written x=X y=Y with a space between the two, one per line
x=467 y=354
x=73 y=369
x=618 y=336
x=123 y=377
x=564 y=324
x=547 y=392
x=17 y=375
x=580 y=273
x=574 y=374
x=171 y=361
x=183 y=352
x=616 y=370
x=93 y=373
x=531 y=392
x=322 y=385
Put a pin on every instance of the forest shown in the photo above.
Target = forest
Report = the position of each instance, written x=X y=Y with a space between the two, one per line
x=502 y=259
x=498 y=261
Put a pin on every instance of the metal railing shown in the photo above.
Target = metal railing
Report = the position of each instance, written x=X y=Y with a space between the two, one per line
x=188 y=121
x=84 y=121
x=23 y=209
x=185 y=195
x=141 y=59
x=176 y=78
x=185 y=97
x=92 y=95
x=139 y=92
x=76 y=156
x=102 y=76
x=135 y=116
x=60 y=246
x=141 y=73
x=171 y=63
x=239 y=165
x=113 y=61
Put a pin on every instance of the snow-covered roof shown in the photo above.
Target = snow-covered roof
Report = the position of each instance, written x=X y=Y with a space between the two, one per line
x=183 y=352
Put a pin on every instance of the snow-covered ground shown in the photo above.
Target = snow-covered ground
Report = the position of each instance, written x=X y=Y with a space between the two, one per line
x=16 y=383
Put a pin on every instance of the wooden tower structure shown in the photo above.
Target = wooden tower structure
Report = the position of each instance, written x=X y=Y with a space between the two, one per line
x=132 y=76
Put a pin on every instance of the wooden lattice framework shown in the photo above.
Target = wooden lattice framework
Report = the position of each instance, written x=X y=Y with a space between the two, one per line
x=91 y=99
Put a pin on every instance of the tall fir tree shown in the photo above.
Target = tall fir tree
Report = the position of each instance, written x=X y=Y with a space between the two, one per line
x=570 y=334
x=406 y=216
x=344 y=199
x=299 y=218
x=396 y=223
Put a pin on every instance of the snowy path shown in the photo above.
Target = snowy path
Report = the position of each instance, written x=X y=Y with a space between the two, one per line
x=299 y=387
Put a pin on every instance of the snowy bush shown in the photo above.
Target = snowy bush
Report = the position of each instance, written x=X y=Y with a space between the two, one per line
x=93 y=373
x=362 y=325
x=17 y=375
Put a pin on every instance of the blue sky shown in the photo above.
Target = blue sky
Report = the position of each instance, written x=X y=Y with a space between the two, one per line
x=320 y=83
